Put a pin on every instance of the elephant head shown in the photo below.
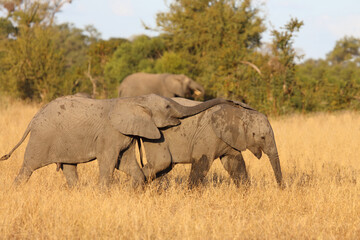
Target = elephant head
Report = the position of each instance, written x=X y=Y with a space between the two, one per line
x=145 y=114
x=183 y=86
x=247 y=129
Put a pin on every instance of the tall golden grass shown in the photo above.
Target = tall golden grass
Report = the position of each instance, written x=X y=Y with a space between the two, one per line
x=319 y=155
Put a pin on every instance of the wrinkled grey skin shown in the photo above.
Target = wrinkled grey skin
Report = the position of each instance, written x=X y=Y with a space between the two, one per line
x=79 y=94
x=167 y=85
x=72 y=130
x=222 y=131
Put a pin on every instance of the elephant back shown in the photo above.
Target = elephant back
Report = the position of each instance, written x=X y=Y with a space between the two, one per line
x=138 y=84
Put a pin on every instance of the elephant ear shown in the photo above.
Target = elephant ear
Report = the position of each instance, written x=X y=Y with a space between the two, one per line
x=132 y=119
x=229 y=127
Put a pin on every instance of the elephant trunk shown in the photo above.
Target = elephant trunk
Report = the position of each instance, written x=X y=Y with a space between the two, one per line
x=184 y=111
x=275 y=164
x=197 y=89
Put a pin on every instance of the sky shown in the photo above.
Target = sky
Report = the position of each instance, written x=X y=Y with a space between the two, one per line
x=325 y=21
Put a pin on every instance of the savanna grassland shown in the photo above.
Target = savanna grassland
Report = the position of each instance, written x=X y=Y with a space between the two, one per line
x=319 y=154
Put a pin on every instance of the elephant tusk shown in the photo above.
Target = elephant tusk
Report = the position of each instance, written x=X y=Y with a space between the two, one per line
x=137 y=153
x=140 y=158
x=143 y=159
x=197 y=92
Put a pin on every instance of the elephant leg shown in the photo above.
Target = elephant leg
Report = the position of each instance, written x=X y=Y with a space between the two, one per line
x=235 y=166
x=70 y=173
x=198 y=171
x=130 y=166
x=158 y=160
x=35 y=157
x=23 y=176
x=107 y=162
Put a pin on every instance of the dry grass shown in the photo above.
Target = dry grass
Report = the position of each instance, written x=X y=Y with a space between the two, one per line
x=320 y=161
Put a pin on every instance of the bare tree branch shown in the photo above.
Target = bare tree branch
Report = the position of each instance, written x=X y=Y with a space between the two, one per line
x=253 y=66
x=58 y=5
x=92 y=80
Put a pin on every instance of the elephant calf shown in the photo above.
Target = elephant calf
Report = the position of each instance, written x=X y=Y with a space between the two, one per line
x=222 y=131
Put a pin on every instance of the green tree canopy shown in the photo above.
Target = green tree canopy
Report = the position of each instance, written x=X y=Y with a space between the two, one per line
x=213 y=36
x=99 y=54
x=39 y=59
x=347 y=48
x=215 y=42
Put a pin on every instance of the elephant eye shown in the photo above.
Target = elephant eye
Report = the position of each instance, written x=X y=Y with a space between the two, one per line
x=263 y=137
x=167 y=106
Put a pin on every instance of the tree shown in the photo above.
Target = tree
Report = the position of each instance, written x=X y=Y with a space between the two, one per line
x=282 y=77
x=347 y=48
x=214 y=37
x=99 y=54
x=6 y=28
x=73 y=43
x=333 y=83
x=171 y=62
x=325 y=86
x=39 y=59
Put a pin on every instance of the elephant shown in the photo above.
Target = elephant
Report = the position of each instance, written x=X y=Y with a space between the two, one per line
x=222 y=131
x=72 y=130
x=167 y=85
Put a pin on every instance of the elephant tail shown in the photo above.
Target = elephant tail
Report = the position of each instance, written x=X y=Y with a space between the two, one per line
x=27 y=131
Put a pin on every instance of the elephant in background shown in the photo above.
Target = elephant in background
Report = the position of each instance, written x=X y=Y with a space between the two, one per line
x=222 y=131
x=71 y=130
x=167 y=85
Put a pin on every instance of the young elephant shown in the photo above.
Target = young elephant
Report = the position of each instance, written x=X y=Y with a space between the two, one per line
x=72 y=130
x=222 y=131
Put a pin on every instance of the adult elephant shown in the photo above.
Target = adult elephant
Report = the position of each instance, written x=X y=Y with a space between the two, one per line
x=222 y=131
x=167 y=85
x=72 y=130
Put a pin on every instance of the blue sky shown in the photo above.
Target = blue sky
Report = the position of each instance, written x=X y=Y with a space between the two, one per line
x=325 y=21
